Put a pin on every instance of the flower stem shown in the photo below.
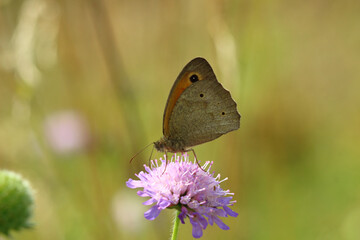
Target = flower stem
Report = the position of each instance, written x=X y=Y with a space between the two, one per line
x=176 y=226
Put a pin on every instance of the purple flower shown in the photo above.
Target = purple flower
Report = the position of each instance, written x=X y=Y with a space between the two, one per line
x=183 y=185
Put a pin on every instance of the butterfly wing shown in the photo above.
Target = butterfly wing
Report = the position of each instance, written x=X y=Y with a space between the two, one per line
x=181 y=83
x=203 y=111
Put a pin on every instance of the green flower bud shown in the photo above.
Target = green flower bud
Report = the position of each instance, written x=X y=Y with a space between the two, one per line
x=16 y=202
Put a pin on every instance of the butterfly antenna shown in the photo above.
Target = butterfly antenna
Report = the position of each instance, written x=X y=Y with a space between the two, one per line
x=140 y=151
x=152 y=150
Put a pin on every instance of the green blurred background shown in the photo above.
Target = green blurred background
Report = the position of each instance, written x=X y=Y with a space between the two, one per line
x=83 y=86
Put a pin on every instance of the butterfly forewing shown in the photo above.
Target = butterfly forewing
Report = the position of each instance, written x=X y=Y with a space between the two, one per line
x=198 y=66
x=203 y=112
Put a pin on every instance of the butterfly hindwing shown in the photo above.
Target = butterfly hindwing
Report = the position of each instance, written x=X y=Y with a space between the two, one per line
x=203 y=111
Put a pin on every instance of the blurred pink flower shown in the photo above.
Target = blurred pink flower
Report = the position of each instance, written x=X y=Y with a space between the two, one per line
x=66 y=132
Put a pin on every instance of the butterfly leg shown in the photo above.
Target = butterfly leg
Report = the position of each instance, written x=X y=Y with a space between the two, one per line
x=166 y=161
x=198 y=163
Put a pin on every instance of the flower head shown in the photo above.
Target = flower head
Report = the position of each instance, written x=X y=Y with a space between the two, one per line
x=16 y=202
x=183 y=185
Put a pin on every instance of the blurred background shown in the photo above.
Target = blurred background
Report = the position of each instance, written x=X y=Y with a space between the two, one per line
x=83 y=86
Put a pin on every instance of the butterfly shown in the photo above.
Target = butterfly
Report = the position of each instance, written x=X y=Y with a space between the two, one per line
x=198 y=110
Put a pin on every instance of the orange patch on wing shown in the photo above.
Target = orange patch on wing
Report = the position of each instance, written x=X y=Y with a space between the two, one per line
x=176 y=92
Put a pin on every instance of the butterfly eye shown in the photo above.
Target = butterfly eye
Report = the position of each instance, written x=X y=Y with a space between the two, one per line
x=194 y=78
x=201 y=95
x=223 y=113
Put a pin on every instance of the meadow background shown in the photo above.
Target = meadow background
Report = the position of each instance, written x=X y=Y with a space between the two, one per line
x=83 y=86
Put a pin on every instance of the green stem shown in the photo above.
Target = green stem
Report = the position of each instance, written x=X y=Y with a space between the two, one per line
x=176 y=226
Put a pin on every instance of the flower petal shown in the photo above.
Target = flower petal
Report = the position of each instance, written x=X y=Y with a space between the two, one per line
x=163 y=203
x=219 y=212
x=203 y=222
x=149 y=201
x=196 y=230
x=147 y=169
x=134 y=183
x=230 y=212
x=210 y=219
x=193 y=204
x=143 y=194
x=152 y=213
x=220 y=223
x=224 y=200
x=185 y=199
x=183 y=214
x=182 y=217
x=197 y=218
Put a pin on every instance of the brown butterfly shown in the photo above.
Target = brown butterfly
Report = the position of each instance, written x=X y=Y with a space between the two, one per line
x=198 y=110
